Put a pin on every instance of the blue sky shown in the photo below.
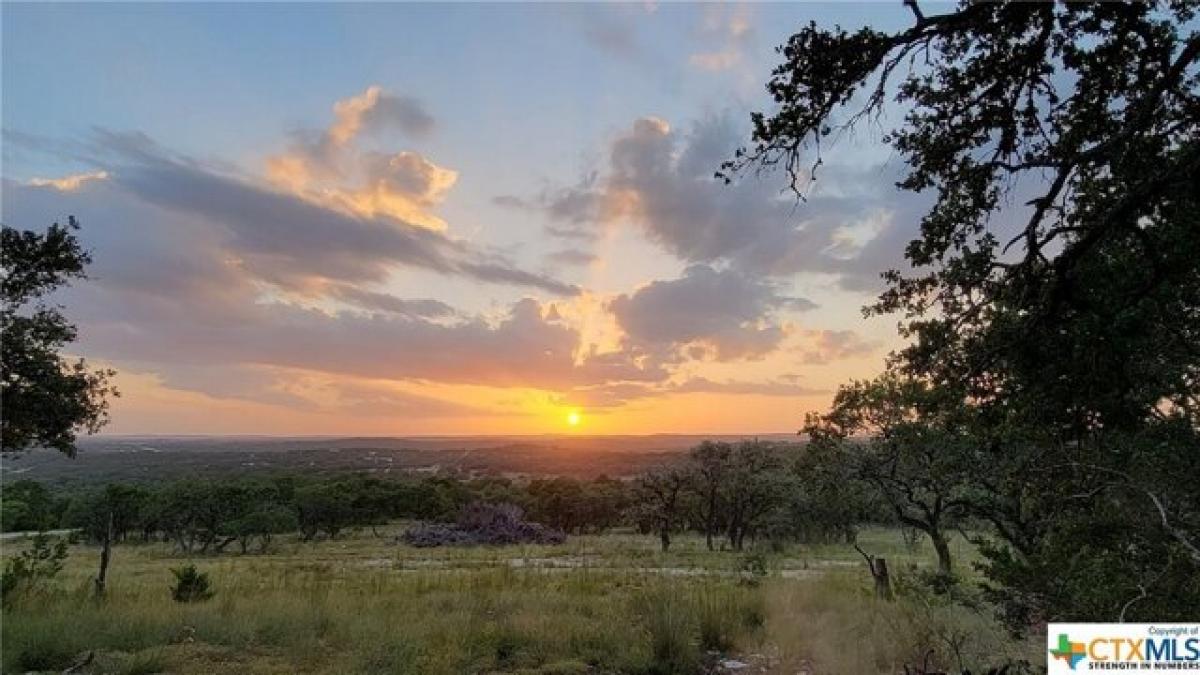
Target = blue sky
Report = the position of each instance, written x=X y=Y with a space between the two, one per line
x=505 y=80
x=613 y=110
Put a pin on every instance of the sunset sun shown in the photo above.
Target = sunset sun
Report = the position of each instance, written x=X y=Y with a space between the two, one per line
x=574 y=418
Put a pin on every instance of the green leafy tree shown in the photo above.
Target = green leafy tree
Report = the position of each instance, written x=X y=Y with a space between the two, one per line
x=898 y=439
x=659 y=496
x=557 y=502
x=106 y=516
x=263 y=523
x=831 y=500
x=1054 y=289
x=757 y=484
x=324 y=507
x=28 y=505
x=47 y=398
x=199 y=515
x=711 y=465
x=89 y=511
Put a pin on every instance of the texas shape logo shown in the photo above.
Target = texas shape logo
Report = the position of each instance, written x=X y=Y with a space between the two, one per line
x=1071 y=652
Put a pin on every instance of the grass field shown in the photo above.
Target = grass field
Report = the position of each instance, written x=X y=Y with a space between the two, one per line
x=598 y=604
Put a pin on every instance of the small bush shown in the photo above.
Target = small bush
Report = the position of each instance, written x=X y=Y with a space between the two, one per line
x=752 y=568
x=931 y=587
x=668 y=622
x=29 y=568
x=190 y=585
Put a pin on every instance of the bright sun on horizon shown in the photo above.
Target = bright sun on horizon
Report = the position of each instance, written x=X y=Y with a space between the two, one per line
x=574 y=418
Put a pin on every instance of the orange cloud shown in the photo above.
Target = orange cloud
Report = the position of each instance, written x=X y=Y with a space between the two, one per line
x=69 y=183
x=349 y=113
x=332 y=171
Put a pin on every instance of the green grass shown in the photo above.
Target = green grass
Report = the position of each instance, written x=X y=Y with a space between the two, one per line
x=599 y=604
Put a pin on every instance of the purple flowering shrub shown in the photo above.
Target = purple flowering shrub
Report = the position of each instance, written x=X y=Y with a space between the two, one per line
x=483 y=523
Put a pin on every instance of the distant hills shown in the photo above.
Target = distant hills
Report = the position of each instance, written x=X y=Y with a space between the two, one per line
x=150 y=458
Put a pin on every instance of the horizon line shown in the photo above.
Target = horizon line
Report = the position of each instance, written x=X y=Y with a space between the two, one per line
x=429 y=436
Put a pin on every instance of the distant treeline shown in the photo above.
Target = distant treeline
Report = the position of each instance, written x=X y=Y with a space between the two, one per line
x=730 y=492
x=210 y=515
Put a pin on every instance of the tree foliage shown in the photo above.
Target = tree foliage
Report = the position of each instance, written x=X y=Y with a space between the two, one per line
x=710 y=471
x=757 y=485
x=29 y=506
x=47 y=398
x=1053 y=295
x=659 y=496
x=721 y=487
x=900 y=440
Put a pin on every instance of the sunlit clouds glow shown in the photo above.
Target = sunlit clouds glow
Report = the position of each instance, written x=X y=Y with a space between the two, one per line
x=68 y=183
x=412 y=226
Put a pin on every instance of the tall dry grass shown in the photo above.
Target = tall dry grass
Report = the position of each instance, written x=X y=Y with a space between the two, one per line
x=441 y=621
x=836 y=626
x=602 y=604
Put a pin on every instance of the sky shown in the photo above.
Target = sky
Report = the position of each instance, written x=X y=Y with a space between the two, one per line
x=400 y=219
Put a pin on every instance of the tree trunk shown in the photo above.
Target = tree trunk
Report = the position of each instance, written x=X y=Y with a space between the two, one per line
x=883 y=582
x=943 y=550
x=710 y=522
x=879 y=572
x=735 y=529
x=105 y=556
x=665 y=535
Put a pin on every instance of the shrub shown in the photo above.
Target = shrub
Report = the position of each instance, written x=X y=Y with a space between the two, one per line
x=41 y=561
x=428 y=535
x=483 y=523
x=190 y=585
x=669 y=624
x=718 y=622
x=44 y=655
x=725 y=615
x=752 y=568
